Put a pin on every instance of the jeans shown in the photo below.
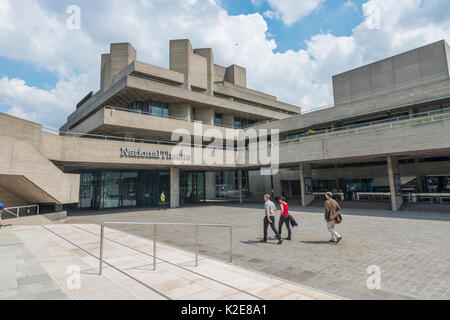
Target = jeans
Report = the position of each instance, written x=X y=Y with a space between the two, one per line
x=286 y=221
x=334 y=234
x=272 y=225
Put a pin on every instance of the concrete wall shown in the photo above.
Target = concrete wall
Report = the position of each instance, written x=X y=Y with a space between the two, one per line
x=207 y=53
x=180 y=110
x=120 y=56
x=397 y=140
x=210 y=185
x=9 y=199
x=205 y=115
x=199 y=72
x=20 y=159
x=174 y=187
x=236 y=75
x=410 y=69
x=219 y=73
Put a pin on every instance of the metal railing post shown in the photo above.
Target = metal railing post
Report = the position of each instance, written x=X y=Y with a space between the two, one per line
x=37 y=211
x=17 y=213
x=231 y=244
x=102 y=233
x=196 y=246
x=155 y=230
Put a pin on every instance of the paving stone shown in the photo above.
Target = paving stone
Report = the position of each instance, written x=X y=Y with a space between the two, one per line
x=406 y=245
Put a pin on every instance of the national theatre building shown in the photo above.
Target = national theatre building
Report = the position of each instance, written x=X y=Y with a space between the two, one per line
x=385 y=140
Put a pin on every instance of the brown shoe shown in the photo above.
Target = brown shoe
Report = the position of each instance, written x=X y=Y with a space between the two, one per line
x=339 y=239
x=331 y=241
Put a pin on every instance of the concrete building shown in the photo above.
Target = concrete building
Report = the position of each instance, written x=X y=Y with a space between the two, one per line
x=386 y=138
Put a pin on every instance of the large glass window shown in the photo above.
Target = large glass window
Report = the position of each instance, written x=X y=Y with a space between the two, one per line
x=192 y=187
x=241 y=123
x=156 y=108
x=227 y=184
x=218 y=120
x=111 y=190
x=117 y=189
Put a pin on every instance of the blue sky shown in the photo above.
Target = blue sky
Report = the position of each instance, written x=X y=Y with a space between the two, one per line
x=335 y=16
x=290 y=48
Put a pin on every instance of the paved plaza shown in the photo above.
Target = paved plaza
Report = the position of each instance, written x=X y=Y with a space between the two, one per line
x=412 y=249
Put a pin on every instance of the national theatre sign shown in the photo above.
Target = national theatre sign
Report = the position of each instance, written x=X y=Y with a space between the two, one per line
x=157 y=155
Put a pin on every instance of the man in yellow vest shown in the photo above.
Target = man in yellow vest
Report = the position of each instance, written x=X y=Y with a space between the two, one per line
x=163 y=201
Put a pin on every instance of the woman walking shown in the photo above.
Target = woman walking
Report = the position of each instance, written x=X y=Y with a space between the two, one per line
x=284 y=217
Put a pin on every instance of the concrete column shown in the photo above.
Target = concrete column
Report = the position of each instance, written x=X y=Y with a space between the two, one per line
x=420 y=184
x=174 y=188
x=411 y=112
x=305 y=172
x=208 y=54
x=241 y=199
x=392 y=168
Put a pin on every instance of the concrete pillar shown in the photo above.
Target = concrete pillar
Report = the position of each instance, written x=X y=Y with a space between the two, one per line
x=411 y=112
x=392 y=168
x=180 y=59
x=241 y=199
x=174 y=187
x=305 y=172
x=236 y=75
x=420 y=186
x=208 y=54
x=228 y=120
x=180 y=110
x=205 y=115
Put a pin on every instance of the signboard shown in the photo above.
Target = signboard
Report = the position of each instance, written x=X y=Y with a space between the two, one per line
x=155 y=155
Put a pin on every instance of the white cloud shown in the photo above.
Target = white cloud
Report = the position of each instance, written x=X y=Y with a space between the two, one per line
x=36 y=32
x=291 y=11
x=350 y=4
x=47 y=107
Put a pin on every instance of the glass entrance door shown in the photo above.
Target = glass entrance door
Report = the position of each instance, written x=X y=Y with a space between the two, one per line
x=192 y=187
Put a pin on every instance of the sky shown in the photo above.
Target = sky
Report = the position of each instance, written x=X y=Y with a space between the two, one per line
x=50 y=55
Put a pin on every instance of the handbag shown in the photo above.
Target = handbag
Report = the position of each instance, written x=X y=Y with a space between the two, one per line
x=338 y=218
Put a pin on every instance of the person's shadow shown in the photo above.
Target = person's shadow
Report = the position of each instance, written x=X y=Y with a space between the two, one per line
x=251 y=242
x=315 y=242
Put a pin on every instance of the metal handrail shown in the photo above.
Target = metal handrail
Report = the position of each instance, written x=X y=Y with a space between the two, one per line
x=363 y=127
x=17 y=214
x=155 y=232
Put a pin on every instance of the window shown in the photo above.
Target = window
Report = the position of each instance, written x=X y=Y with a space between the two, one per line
x=218 y=120
x=241 y=123
x=156 y=108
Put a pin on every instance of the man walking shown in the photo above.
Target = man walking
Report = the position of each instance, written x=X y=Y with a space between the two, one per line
x=331 y=215
x=163 y=201
x=269 y=218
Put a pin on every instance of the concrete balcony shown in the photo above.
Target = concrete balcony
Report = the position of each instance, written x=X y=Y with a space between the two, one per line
x=122 y=122
x=417 y=136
